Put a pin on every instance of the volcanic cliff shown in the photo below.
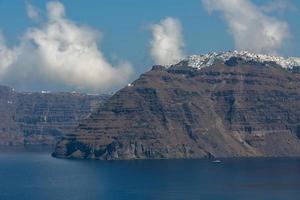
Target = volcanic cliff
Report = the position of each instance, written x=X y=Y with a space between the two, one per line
x=41 y=118
x=231 y=104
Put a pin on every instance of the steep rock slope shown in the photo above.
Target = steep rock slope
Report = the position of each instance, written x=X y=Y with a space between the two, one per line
x=41 y=118
x=228 y=105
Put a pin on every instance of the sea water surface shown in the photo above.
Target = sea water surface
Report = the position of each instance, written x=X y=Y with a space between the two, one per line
x=38 y=176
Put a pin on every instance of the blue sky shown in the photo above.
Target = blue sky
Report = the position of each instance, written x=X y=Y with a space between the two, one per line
x=124 y=25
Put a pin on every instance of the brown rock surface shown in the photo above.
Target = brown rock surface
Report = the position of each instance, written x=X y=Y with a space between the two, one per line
x=41 y=118
x=242 y=109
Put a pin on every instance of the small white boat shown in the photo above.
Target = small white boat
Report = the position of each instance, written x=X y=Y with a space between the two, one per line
x=216 y=161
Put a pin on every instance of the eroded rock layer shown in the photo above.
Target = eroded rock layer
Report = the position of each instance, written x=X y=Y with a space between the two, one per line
x=236 y=108
x=41 y=118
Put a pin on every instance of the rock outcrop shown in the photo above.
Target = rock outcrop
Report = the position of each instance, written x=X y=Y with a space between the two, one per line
x=233 y=107
x=41 y=118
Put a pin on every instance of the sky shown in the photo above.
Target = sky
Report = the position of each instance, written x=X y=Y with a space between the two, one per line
x=102 y=45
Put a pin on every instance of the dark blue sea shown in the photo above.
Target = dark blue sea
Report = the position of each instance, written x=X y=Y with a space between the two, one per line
x=38 y=176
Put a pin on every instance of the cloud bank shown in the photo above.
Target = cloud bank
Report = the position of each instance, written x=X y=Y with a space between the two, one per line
x=167 y=42
x=61 y=52
x=252 y=29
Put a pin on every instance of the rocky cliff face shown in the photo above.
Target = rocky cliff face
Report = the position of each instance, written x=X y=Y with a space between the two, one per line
x=41 y=118
x=200 y=107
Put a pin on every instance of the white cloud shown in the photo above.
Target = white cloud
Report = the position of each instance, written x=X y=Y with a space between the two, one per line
x=251 y=28
x=7 y=55
x=61 y=52
x=278 y=6
x=55 y=10
x=167 y=42
x=33 y=12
